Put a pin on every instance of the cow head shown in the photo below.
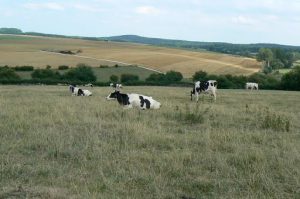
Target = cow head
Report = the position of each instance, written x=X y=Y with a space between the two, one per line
x=71 y=88
x=113 y=95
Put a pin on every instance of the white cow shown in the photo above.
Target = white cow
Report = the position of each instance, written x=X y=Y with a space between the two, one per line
x=134 y=100
x=208 y=87
x=251 y=85
x=79 y=92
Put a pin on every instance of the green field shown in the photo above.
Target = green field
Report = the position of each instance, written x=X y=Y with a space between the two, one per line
x=53 y=145
x=297 y=63
x=103 y=74
x=284 y=71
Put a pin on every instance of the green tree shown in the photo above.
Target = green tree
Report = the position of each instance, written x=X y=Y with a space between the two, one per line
x=114 y=78
x=199 y=75
x=82 y=73
x=156 y=77
x=45 y=74
x=173 y=76
x=63 y=67
x=291 y=80
x=265 y=55
x=8 y=74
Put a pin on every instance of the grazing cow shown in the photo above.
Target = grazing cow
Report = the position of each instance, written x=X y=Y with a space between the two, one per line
x=134 y=100
x=251 y=85
x=116 y=86
x=209 y=86
x=89 y=85
x=79 y=92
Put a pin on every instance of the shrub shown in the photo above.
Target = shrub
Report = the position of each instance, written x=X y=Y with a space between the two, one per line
x=82 y=72
x=48 y=67
x=24 y=68
x=45 y=74
x=63 y=67
x=173 y=76
x=114 y=78
x=199 y=75
x=291 y=80
x=156 y=77
x=103 y=66
x=8 y=74
x=129 y=78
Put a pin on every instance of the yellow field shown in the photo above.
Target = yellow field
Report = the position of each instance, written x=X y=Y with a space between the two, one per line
x=28 y=50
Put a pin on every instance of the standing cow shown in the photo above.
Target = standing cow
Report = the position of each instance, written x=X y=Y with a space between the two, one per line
x=209 y=87
x=251 y=85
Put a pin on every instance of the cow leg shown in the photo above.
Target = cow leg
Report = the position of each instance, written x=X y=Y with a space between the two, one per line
x=215 y=95
x=197 y=96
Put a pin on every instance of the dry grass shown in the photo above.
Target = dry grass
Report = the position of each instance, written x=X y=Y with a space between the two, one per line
x=57 y=146
x=17 y=50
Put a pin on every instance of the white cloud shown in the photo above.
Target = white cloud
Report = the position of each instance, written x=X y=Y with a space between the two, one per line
x=243 y=20
x=48 y=5
x=147 y=10
x=85 y=7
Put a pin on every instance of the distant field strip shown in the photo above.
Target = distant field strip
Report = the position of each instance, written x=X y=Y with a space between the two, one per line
x=26 y=50
x=216 y=62
x=108 y=60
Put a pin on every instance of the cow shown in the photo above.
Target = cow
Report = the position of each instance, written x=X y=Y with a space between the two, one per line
x=251 y=85
x=79 y=92
x=134 y=100
x=209 y=86
x=116 y=86
x=89 y=85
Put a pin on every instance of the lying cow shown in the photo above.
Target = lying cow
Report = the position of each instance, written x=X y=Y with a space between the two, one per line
x=116 y=86
x=134 y=100
x=251 y=85
x=79 y=92
x=209 y=86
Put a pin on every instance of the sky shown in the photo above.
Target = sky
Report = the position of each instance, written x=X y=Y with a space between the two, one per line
x=234 y=21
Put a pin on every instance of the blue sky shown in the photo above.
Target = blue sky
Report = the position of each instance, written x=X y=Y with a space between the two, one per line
x=236 y=21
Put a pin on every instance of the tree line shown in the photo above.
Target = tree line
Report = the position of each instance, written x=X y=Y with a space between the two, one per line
x=84 y=74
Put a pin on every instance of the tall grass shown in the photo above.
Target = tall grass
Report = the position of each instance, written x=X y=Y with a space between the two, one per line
x=57 y=146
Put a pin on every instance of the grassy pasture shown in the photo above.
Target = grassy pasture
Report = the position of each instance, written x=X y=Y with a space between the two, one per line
x=54 y=145
x=27 y=50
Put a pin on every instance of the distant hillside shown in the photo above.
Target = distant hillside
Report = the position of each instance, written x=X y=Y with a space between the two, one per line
x=37 y=51
x=248 y=50
x=228 y=48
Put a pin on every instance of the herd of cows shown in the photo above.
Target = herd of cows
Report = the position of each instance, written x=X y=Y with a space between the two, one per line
x=130 y=100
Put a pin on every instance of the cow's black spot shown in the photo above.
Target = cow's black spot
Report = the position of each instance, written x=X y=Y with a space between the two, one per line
x=123 y=99
x=144 y=101
x=204 y=86
x=147 y=103
x=80 y=92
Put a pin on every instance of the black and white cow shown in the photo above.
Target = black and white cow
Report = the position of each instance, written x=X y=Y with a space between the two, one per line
x=209 y=87
x=251 y=85
x=89 y=85
x=134 y=100
x=79 y=92
x=116 y=86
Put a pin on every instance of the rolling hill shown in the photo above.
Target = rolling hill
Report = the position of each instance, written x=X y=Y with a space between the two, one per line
x=40 y=51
